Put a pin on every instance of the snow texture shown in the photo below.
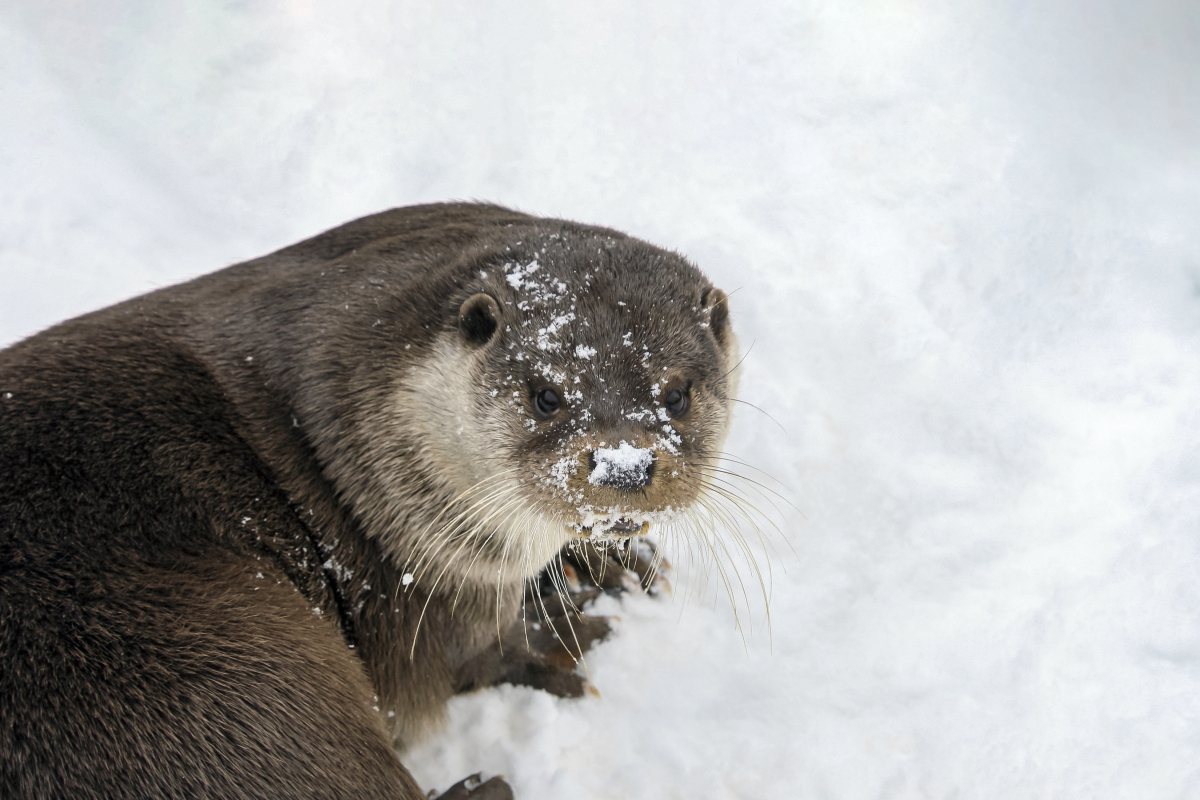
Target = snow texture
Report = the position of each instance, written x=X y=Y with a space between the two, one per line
x=961 y=245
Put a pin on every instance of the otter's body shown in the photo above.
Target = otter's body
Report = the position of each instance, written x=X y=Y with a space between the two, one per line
x=254 y=527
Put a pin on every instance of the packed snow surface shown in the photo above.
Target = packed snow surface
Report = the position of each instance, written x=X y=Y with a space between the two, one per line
x=961 y=245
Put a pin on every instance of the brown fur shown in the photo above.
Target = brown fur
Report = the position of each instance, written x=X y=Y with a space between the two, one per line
x=210 y=495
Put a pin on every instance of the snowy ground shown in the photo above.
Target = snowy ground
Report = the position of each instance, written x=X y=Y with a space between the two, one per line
x=963 y=250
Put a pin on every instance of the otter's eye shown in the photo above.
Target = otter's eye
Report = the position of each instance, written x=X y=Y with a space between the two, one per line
x=676 y=402
x=546 y=402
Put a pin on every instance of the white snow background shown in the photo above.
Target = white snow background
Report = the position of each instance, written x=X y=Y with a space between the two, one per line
x=963 y=246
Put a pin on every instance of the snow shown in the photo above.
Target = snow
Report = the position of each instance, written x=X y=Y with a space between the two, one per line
x=961 y=249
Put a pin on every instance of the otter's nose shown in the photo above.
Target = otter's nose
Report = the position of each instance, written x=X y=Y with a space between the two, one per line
x=624 y=467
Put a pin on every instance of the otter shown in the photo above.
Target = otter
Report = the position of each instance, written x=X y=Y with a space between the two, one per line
x=257 y=528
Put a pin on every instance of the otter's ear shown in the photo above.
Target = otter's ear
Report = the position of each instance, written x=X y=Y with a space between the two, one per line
x=715 y=304
x=478 y=319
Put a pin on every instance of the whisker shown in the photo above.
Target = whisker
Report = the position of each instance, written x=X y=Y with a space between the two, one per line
x=764 y=413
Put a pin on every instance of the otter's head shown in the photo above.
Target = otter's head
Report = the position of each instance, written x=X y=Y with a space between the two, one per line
x=581 y=388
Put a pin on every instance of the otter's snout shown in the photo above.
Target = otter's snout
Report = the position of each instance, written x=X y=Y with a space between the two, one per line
x=624 y=467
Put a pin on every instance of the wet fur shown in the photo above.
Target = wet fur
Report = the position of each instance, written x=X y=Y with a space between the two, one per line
x=209 y=497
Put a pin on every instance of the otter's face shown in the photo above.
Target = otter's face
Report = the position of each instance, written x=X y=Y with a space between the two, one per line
x=595 y=377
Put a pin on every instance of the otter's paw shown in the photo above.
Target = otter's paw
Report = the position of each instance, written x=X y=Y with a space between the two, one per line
x=589 y=570
x=544 y=647
x=473 y=788
x=541 y=650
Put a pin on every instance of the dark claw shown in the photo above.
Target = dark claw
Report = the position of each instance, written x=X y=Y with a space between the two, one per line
x=470 y=788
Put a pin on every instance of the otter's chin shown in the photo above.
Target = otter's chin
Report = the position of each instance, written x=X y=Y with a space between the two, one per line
x=617 y=528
